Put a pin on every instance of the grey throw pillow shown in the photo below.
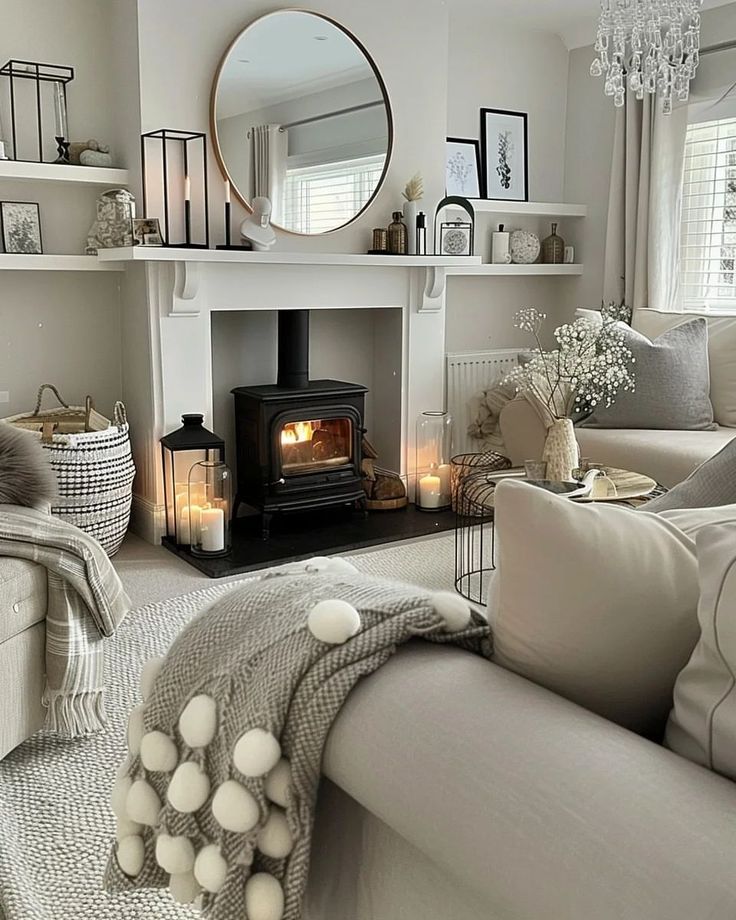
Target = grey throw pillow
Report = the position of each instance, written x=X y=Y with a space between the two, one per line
x=672 y=383
x=711 y=485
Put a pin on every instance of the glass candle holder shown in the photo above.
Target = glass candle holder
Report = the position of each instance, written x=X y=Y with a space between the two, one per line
x=204 y=521
x=433 y=453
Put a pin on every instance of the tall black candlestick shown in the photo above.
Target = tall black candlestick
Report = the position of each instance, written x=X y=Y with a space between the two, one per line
x=188 y=221
x=227 y=223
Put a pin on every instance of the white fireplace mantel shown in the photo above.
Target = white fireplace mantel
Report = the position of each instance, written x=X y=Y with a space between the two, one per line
x=184 y=287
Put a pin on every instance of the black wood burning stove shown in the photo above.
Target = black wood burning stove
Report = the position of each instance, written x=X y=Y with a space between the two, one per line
x=298 y=441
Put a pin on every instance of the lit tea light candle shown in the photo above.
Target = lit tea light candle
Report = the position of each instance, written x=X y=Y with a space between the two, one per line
x=430 y=492
x=190 y=523
x=212 y=530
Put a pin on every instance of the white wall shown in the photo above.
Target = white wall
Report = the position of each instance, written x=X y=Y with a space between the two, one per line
x=491 y=65
x=62 y=327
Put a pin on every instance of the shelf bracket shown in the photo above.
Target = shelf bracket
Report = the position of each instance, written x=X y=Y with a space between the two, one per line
x=187 y=281
x=433 y=294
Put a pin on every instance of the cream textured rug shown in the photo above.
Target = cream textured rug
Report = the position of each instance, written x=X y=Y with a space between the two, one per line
x=52 y=848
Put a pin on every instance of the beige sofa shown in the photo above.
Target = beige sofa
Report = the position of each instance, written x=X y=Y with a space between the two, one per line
x=667 y=456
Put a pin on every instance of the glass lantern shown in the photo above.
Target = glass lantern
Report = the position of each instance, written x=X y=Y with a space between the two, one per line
x=205 y=521
x=433 y=453
x=180 y=451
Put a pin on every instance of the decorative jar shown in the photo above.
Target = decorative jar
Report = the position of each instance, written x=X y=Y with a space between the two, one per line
x=113 y=228
x=433 y=454
x=553 y=248
x=206 y=519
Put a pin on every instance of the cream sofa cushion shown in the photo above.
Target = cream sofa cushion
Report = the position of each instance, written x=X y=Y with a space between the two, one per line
x=595 y=602
x=721 y=353
x=702 y=725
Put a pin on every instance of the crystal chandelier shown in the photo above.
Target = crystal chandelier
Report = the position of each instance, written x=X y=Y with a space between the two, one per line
x=653 y=45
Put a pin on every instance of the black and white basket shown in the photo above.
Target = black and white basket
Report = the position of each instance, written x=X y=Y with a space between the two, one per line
x=94 y=472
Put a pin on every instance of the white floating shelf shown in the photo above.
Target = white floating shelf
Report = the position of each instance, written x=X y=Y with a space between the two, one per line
x=529 y=208
x=52 y=263
x=172 y=254
x=535 y=269
x=55 y=172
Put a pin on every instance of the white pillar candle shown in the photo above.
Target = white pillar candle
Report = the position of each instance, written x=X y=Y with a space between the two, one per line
x=227 y=192
x=429 y=492
x=212 y=530
x=189 y=524
x=187 y=188
x=444 y=472
x=60 y=110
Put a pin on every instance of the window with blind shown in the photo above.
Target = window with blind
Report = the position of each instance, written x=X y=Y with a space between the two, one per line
x=320 y=198
x=708 y=239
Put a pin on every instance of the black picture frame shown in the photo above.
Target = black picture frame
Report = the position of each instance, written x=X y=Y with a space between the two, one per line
x=492 y=179
x=475 y=145
x=9 y=246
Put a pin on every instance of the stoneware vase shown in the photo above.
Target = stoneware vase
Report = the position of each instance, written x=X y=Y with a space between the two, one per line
x=410 y=211
x=561 y=450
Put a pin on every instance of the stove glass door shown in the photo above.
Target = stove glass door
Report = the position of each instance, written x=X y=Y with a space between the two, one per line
x=315 y=444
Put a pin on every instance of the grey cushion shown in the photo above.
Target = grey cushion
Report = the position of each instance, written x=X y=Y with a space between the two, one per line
x=712 y=484
x=672 y=380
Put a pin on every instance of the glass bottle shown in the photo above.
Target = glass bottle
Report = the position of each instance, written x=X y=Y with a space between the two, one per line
x=433 y=455
x=397 y=235
x=553 y=248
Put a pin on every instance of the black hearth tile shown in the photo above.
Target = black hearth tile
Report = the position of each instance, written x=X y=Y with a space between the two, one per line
x=315 y=533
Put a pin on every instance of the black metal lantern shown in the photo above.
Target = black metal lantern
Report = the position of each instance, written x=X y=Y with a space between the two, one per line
x=33 y=89
x=174 y=165
x=180 y=451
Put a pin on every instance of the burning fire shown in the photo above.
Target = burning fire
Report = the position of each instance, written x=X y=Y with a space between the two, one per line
x=298 y=432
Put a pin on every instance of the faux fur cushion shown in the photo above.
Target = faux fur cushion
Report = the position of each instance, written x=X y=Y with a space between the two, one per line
x=26 y=477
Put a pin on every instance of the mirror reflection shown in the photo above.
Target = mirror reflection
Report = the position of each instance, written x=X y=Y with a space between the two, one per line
x=300 y=116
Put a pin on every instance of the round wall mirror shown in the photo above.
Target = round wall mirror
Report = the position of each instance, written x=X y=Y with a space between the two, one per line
x=300 y=115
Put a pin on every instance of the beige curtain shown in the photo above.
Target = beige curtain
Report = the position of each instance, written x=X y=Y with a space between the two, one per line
x=643 y=232
x=270 y=150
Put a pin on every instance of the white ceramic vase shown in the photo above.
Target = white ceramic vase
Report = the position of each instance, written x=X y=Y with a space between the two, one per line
x=411 y=208
x=561 y=450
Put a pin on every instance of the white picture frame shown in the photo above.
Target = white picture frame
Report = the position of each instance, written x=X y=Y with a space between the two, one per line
x=462 y=167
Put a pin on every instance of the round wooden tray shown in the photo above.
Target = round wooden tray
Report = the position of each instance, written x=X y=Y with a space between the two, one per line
x=387 y=504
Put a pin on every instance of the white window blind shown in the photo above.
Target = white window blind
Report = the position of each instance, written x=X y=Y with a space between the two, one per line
x=320 y=198
x=708 y=240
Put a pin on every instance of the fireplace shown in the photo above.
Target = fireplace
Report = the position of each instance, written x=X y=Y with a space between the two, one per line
x=298 y=441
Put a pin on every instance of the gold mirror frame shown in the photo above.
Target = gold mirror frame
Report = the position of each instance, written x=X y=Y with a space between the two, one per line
x=381 y=84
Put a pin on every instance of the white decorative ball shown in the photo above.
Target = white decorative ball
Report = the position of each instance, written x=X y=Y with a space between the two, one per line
x=184 y=887
x=131 y=853
x=119 y=795
x=198 y=721
x=149 y=675
x=256 y=752
x=158 y=752
x=453 y=609
x=234 y=807
x=189 y=787
x=278 y=782
x=264 y=897
x=175 y=855
x=274 y=838
x=136 y=730
x=210 y=868
x=142 y=803
x=333 y=621
x=127 y=828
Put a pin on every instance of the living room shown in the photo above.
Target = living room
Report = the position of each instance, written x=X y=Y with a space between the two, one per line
x=366 y=434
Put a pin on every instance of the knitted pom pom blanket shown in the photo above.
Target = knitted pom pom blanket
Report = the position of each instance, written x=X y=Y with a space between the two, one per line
x=216 y=798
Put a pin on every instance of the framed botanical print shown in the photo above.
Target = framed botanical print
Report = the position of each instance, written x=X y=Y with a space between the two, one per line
x=462 y=167
x=504 y=154
x=21 y=227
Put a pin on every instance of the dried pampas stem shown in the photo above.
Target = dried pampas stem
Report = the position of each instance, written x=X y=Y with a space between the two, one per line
x=414 y=188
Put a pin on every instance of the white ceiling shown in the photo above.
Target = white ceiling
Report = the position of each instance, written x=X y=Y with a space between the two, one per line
x=573 y=20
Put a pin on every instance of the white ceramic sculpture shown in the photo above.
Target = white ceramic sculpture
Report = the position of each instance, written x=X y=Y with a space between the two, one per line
x=257 y=228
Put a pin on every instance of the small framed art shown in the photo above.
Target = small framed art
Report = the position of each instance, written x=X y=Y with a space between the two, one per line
x=21 y=227
x=146 y=231
x=462 y=167
x=456 y=238
x=504 y=154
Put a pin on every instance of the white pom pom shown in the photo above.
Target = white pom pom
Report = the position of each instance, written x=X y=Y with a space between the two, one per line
x=189 y=787
x=333 y=621
x=127 y=828
x=256 y=752
x=136 y=730
x=131 y=853
x=143 y=804
x=210 y=868
x=234 y=807
x=158 y=752
x=175 y=855
x=149 y=675
x=198 y=721
x=453 y=610
x=340 y=566
x=277 y=783
x=264 y=897
x=184 y=887
x=274 y=838
x=119 y=795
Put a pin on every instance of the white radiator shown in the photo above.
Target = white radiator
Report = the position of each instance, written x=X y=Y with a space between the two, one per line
x=467 y=375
